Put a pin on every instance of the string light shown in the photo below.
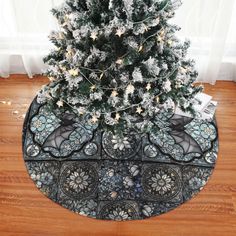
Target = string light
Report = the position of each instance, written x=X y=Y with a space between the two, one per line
x=117 y=118
x=66 y=19
x=162 y=33
x=119 y=32
x=114 y=93
x=148 y=87
x=101 y=76
x=182 y=70
x=159 y=39
x=73 y=72
x=94 y=36
x=145 y=28
x=63 y=68
x=80 y=112
x=119 y=61
x=93 y=87
x=140 y=48
x=139 y=110
x=69 y=54
x=60 y=103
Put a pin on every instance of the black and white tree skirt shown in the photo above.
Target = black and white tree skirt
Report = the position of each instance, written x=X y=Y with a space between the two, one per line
x=99 y=175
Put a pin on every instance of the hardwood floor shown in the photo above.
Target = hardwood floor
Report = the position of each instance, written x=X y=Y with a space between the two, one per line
x=25 y=211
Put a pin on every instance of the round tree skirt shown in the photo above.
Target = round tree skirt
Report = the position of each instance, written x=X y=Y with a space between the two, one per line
x=99 y=175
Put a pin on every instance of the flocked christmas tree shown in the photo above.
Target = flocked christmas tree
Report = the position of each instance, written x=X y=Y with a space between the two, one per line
x=119 y=63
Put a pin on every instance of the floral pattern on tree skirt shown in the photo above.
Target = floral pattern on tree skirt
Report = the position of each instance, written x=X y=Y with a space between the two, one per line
x=102 y=176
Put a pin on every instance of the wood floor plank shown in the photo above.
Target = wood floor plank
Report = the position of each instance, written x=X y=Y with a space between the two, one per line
x=25 y=211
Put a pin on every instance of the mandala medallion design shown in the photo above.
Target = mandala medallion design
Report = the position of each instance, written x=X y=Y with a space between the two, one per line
x=161 y=182
x=101 y=175
x=119 y=211
x=79 y=180
x=121 y=147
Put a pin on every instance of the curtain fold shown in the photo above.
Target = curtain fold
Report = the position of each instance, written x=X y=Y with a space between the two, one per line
x=209 y=24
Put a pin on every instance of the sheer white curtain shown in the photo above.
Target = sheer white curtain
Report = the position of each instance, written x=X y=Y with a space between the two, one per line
x=24 y=29
x=209 y=24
